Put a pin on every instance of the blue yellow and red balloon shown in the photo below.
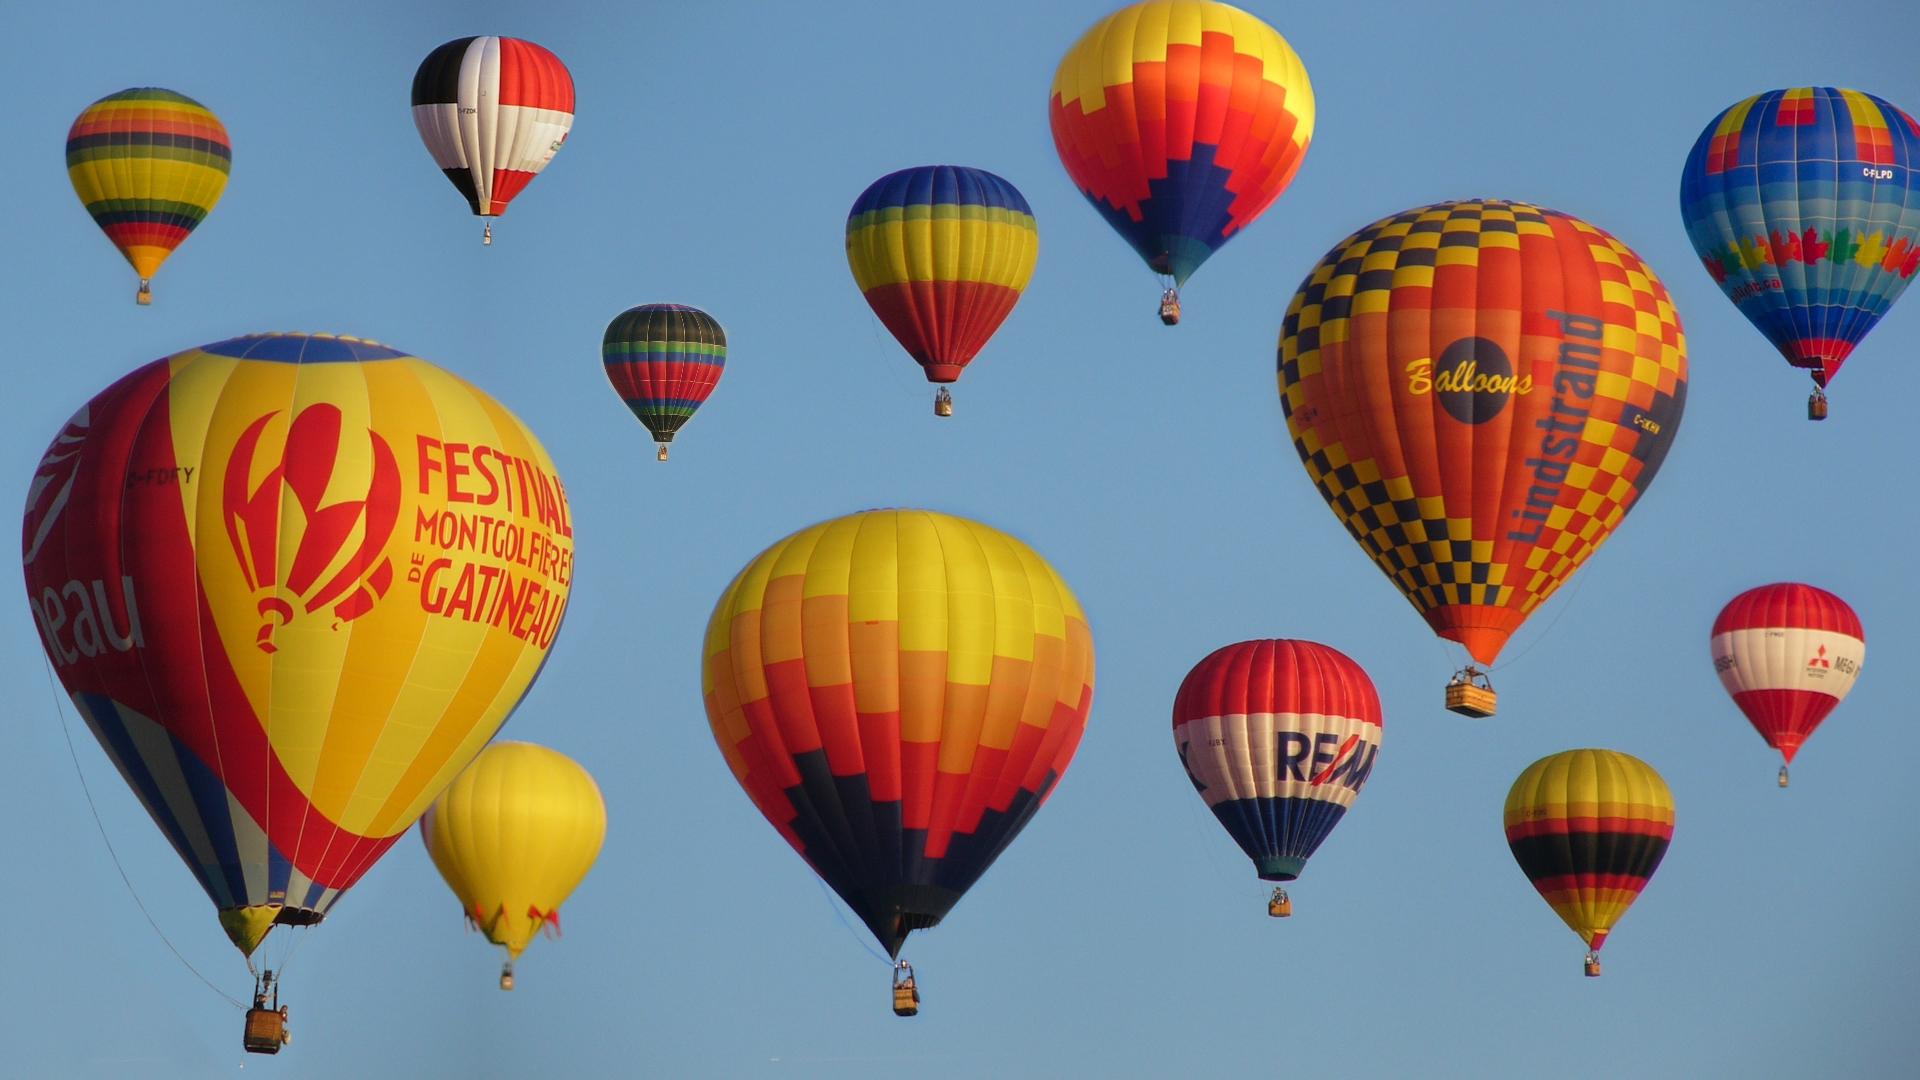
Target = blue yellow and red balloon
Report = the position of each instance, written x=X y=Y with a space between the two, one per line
x=1804 y=205
x=941 y=253
x=1181 y=121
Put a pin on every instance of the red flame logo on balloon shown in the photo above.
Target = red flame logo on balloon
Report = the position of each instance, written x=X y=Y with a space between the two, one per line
x=306 y=467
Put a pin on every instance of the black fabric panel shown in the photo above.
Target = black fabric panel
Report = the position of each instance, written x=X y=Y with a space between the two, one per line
x=437 y=81
x=1559 y=854
x=463 y=179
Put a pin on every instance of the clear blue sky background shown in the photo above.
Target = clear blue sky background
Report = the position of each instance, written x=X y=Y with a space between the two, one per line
x=716 y=151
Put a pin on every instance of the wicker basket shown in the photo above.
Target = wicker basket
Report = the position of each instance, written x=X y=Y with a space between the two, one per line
x=1470 y=700
x=266 y=1030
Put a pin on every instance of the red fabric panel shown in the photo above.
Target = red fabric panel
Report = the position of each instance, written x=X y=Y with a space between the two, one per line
x=1785 y=717
x=530 y=75
x=942 y=323
x=1276 y=676
x=1788 y=605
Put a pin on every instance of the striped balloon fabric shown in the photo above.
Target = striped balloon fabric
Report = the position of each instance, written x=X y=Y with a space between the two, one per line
x=898 y=691
x=1181 y=121
x=1804 y=204
x=1278 y=737
x=942 y=253
x=492 y=111
x=148 y=164
x=1787 y=653
x=664 y=360
x=1588 y=828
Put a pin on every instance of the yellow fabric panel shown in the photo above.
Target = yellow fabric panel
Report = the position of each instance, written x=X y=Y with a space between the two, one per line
x=944 y=243
x=1140 y=33
x=516 y=832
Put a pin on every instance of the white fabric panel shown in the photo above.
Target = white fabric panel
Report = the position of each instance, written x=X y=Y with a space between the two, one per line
x=1788 y=658
x=250 y=840
x=479 y=103
x=529 y=136
x=1240 y=757
x=439 y=127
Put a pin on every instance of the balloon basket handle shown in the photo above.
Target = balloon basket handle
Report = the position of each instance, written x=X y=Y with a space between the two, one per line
x=1469 y=693
x=145 y=296
x=1279 y=905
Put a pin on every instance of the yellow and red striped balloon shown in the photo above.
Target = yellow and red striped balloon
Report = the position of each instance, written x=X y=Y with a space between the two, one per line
x=1588 y=828
x=148 y=164
x=898 y=691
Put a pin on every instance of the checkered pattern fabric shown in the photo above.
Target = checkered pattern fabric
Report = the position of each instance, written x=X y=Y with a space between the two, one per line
x=1481 y=390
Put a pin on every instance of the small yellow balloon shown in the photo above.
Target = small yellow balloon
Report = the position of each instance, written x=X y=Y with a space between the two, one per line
x=513 y=836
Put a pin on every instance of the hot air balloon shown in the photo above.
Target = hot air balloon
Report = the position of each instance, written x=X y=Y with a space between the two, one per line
x=941 y=253
x=1278 y=737
x=1588 y=828
x=663 y=360
x=492 y=111
x=1804 y=204
x=513 y=835
x=148 y=164
x=1787 y=653
x=898 y=691
x=1481 y=390
x=293 y=583
x=1181 y=121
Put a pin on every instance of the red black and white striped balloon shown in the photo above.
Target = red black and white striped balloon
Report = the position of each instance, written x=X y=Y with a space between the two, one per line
x=492 y=111
x=1787 y=653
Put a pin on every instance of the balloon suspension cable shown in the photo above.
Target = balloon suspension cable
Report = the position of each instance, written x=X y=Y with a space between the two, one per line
x=486 y=235
x=864 y=943
x=942 y=402
x=145 y=295
x=1592 y=964
x=1783 y=776
x=1279 y=905
x=115 y=856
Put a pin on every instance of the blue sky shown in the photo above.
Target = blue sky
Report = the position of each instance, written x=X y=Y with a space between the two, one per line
x=716 y=151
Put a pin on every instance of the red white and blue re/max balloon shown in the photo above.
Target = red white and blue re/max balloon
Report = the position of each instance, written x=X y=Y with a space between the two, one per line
x=1278 y=737
x=1787 y=653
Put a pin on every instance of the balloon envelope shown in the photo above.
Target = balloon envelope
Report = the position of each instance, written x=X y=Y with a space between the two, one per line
x=664 y=360
x=1181 y=121
x=1481 y=391
x=1278 y=737
x=942 y=253
x=1804 y=204
x=1787 y=653
x=293 y=583
x=1588 y=828
x=148 y=164
x=513 y=835
x=492 y=111
x=898 y=691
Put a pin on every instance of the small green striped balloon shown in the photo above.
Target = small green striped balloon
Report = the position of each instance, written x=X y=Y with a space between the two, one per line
x=664 y=360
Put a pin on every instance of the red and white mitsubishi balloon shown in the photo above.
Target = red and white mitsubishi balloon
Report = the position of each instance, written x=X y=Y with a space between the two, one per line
x=1787 y=653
